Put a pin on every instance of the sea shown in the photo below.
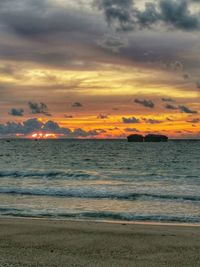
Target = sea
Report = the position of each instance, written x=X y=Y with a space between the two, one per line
x=101 y=180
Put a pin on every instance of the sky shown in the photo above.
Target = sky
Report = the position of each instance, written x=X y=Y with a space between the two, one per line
x=99 y=68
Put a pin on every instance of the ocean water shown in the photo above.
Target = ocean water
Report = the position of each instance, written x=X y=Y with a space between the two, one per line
x=101 y=180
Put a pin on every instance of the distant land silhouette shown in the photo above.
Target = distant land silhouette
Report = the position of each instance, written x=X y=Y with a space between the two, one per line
x=148 y=138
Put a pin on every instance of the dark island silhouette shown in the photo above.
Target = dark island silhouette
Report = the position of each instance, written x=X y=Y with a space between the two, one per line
x=135 y=138
x=148 y=138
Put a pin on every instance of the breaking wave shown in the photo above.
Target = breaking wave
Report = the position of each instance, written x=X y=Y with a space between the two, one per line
x=79 y=175
x=91 y=193
x=101 y=215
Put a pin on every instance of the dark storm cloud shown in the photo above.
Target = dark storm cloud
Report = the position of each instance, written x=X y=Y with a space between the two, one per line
x=130 y=120
x=39 y=108
x=64 y=36
x=34 y=125
x=31 y=125
x=58 y=36
x=117 y=12
x=16 y=112
x=77 y=105
x=41 y=18
x=145 y=103
x=149 y=16
x=53 y=127
x=177 y=14
x=20 y=128
x=185 y=109
x=30 y=18
x=128 y=17
x=10 y=128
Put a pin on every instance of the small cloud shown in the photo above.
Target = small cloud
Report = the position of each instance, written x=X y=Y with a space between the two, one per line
x=177 y=66
x=112 y=42
x=198 y=84
x=185 y=109
x=77 y=105
x=145 y=103
x=152 y=121
x=196 y=120
x=167 y=99
x=169 y=106
x=114 y=129
x=102 y=116
x=186 y=76
x=7 y=70
x=169 y=119
x=39 y=108
x=17 y=112
x=91 y=133
x=130 y=120
x=131 y=130
x=68 y=116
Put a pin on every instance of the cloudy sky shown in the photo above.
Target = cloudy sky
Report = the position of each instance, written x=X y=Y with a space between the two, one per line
x=100 y=68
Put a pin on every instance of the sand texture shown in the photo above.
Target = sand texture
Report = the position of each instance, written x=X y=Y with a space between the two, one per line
x=46 y=243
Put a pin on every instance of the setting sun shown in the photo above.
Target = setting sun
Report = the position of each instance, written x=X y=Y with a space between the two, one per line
x=44 y=136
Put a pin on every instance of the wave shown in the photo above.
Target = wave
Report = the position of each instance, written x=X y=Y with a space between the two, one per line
x=90 y=193
x=100 y=215
x=79 y=175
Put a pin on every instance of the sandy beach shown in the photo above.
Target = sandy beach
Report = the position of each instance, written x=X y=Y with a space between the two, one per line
x=29 y=242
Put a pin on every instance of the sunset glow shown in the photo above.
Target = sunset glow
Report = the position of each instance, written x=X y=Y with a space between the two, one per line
x=44 y=136
x=99 y=81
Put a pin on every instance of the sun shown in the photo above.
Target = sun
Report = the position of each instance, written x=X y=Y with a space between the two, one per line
x=41 y=135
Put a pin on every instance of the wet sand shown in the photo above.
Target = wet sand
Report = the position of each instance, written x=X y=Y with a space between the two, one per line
x=46 y=243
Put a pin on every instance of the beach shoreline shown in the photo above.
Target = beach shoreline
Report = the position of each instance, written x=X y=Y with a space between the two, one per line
x=127 y=222
x=47 y=242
